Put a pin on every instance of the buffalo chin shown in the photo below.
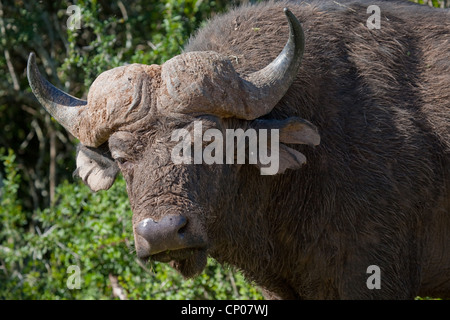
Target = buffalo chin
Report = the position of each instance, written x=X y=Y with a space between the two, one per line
x=191 y=266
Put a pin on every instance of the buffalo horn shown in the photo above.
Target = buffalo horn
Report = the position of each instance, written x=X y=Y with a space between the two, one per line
x=61 y=106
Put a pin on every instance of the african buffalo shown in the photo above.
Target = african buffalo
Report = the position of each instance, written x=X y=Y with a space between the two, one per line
x=366 y=217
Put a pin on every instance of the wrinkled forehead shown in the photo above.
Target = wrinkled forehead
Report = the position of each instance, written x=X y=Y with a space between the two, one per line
x=117 y=82
x=118 y=97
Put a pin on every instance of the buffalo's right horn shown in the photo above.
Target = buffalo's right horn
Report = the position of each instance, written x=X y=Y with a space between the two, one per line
x=206 y=81
x=264 y=88
x=61 y=106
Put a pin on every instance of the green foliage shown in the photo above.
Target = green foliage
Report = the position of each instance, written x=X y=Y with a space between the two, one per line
x=93 y=232
x=434 y=3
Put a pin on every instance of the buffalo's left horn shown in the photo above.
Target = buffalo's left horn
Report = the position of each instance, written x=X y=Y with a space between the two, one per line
x=61 y=106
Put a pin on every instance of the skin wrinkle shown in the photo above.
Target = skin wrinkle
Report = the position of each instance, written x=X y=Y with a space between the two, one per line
x=121 y=113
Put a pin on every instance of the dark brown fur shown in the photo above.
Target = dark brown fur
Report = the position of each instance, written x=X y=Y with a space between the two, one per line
x=376 y=191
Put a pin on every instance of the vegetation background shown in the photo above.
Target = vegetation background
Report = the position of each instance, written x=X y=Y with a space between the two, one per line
x=48 y=221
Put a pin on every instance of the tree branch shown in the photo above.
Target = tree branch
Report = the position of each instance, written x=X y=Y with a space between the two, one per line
x=15 y=81
x=118 y=290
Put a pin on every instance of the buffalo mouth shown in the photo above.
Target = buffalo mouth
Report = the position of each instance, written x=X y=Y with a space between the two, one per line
x=189 y=262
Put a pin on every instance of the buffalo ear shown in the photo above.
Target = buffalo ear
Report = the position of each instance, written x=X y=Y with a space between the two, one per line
x=290 y=158
x=95 y=167
x=292 y=131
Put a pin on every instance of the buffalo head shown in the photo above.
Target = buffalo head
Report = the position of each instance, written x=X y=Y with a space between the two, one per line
x=127 y=122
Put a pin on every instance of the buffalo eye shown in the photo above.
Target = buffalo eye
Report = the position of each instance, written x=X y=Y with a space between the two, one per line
x=118 y=157
x=121 y=160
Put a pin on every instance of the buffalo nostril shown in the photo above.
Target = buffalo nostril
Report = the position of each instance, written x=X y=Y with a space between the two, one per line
x=182 y=230
x=164 y=234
